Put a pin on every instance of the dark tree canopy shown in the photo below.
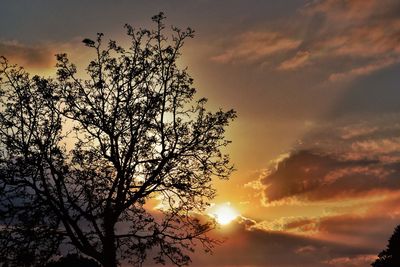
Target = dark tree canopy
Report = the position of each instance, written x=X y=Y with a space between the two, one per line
x=390 y=257
x=73 y=260
x=82 y=154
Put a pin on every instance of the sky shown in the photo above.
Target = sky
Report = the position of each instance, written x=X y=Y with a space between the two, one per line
x=315 y=83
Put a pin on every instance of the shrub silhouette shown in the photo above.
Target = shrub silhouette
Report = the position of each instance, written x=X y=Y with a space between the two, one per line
x=390 y=257
x=73 y=260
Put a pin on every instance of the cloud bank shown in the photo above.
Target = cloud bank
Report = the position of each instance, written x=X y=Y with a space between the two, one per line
x=344 y=38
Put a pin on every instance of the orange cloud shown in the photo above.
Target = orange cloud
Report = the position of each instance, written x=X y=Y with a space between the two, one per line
x=363 y=70
x=253 y=46
x=364 y=34
x=360 y=260
x=28 y=56
x=356 y=131
x=293 y=225
x=353 y=38
x=378 y=146
x=299 y=60
x=366 y=41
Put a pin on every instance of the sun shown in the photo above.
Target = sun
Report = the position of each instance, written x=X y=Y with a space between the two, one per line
x=224 y=213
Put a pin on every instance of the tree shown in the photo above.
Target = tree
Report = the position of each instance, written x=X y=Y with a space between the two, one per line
x=136 y=134
x=390 y=257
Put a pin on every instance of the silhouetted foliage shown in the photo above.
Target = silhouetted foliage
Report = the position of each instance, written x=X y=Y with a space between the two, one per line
x=73 y=260
x=390 y=257
x=80 y=157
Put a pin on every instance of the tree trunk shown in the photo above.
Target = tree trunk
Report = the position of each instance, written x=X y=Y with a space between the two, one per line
x=109 y=248
x=109 y=259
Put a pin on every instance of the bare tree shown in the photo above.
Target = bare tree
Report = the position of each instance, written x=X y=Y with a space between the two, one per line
x=137 y=134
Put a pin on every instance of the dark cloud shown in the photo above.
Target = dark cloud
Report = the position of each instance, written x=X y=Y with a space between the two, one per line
x=312 y=176
x=355 y=137
x=64 y=20
x=357 y=10
x=246 y=244
x=369 y=228
x=257 y=247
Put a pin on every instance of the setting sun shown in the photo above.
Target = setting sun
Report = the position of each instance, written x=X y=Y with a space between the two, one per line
x=224 y=213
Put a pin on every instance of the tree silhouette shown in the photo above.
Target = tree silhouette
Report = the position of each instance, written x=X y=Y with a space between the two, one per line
x=81 y=156
x=73 y=260
x=390 y=257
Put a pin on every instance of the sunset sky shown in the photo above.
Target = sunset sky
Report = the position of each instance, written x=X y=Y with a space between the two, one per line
x=316 y=85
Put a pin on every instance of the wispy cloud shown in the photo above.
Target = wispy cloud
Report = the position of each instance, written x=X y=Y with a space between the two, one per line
x=377 y=146
x=299 y=60
x=357 y=11
x=251 y=46
x=363 y=70
x=359 y=260
x=357 y=131
x=353 y=38
x=363 y=34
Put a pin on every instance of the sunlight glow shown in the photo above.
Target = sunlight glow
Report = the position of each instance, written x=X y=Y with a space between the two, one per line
x=224 y=213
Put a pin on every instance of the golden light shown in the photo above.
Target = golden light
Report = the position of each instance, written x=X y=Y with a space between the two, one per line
x=223 y=213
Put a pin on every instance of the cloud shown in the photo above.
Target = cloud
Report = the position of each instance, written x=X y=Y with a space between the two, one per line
x=258 y=247
x=367 y=224
x=349 y=194
x=377 y=146
x=39 y=56
x=312 y=176
x=337 y=161
x=355 y=138
x=250 y=243
x=361 y=260
x=299 y=60
x=341 y=11
x=293 y=225
x=363 y=70
x=364 y=41
x=357 y=131
x=252 y=46
x=344 y=178
x=368 y=228
x=338 y=40
x=363 y=34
